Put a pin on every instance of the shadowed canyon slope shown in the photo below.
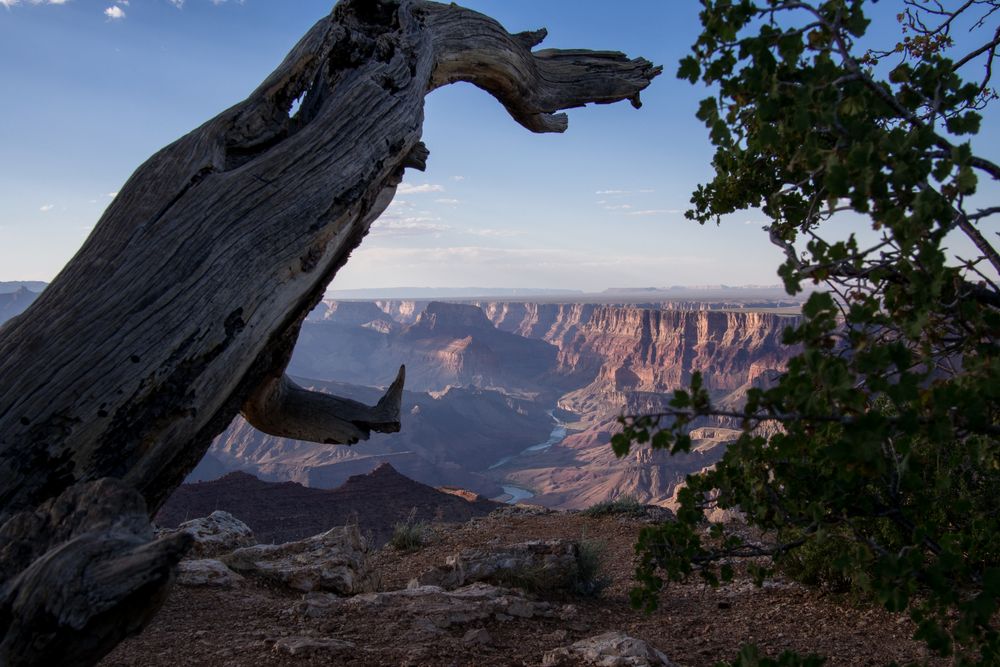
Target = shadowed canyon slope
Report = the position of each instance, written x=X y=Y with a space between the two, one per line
x=446 y=344
x=289 y=511
x=486 y=378
x=16 y=297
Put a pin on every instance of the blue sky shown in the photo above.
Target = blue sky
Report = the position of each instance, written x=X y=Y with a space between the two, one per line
x=91 y=89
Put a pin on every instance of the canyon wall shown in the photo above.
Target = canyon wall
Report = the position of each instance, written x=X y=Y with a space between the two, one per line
x=651 y=349
x=482 y=376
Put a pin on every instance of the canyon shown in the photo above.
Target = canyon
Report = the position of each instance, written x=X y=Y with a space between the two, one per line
x=518 y=400
x=514 y=400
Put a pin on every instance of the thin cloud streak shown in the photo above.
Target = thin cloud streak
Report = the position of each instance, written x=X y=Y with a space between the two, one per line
x=408 y=189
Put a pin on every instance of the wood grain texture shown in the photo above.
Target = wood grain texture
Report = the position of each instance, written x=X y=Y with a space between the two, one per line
x=81 y=573
x=182 y=307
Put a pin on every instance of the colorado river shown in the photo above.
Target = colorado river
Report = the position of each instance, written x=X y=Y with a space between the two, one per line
x=518 y=493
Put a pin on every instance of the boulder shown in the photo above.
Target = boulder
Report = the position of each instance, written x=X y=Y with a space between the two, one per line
x=477 y=636
x=536 y=565
x=332 y=561
x=431 y=605
x=216 y=534
x=611 y=649
x=206 y=572
x=305 y=646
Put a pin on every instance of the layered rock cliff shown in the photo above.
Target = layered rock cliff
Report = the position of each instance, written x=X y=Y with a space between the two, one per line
x=447 y=344
x=625 y=349
x=640 y=349
x=594 y=360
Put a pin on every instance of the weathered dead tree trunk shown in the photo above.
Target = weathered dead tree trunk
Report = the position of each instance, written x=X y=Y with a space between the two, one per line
x=182 y=307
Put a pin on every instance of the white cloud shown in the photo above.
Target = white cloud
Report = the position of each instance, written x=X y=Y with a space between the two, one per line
x=515 y=259
x=46 y=208
x=619 y=207
x=451 y=202
x=112 y=194
x=179 y=4
x=618 y=193
x=458 y=178
x=497 y=233
x=11 y=3
x=114 y=13
x=414 y=226
x=654 y=211
x=409 y=189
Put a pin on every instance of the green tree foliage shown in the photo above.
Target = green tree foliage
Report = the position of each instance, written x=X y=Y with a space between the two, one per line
x=885 y=459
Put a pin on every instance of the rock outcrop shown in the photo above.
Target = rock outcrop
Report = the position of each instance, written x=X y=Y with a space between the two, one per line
x=540 y=565
x=207 y=572
x=611 y=649
x=216 y=534
x=432 y=608
x=333 y=561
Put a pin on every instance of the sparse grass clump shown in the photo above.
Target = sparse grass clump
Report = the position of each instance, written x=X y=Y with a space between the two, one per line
x=409 y=535
x=591 y=580
x=621 y=506
x=587 y=579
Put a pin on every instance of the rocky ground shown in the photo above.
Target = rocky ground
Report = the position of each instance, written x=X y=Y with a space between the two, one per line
x=260 y=619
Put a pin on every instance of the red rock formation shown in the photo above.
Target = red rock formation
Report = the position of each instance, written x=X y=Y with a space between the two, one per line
x=633 y=348
x=650 y=350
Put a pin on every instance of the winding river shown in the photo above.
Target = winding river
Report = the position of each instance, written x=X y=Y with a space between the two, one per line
x=518 y=493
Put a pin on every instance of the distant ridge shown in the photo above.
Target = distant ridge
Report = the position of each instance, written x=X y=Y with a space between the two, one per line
x=282 y=512
x=643 y=293
x=15 y=302
x=445 y=292
x=6 y=287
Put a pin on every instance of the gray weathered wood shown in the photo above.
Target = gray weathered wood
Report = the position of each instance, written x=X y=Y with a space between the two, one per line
x=182 y=307
x=81 y=573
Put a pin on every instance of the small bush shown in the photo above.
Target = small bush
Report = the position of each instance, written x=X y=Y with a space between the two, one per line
x=621 y=506
x=409 y=535
x=591 y=580
x=588 y=579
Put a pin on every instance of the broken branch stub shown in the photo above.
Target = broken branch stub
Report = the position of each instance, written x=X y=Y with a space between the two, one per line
x=182 y=307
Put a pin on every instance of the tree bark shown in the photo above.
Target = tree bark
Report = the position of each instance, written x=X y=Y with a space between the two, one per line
x=182 y=307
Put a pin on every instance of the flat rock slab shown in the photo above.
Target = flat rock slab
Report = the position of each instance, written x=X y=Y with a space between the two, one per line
x=333 y=561
x=611 y=649
x=207 y=572
x=538 y=565
x=432 y=605
x=308 y=646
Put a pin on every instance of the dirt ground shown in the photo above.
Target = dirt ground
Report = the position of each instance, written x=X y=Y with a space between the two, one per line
x=695 y=625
